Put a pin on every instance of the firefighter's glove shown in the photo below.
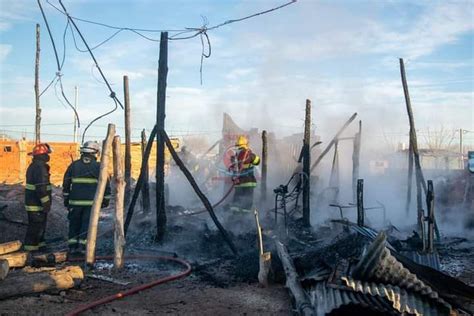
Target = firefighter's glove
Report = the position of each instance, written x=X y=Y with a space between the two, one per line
x=105 y=203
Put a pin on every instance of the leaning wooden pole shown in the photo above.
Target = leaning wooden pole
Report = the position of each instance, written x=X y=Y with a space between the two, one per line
x=128 y=141
x=160 y=151
x=431 y=218
x=333 y=141
x=306 y=165
x=413 y=141
x=146 y=185
x=37 y=92
x=263 y=185
x=301 y=300
x=199 y=193
x=356 y=161
x=141 y=177
x=119 y=235
x=99 y=195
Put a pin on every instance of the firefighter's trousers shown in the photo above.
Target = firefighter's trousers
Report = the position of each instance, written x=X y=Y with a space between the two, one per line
x=34 y=238
x=78 y=226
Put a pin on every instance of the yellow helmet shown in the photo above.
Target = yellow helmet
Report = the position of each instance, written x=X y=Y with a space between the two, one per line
x=242 y=141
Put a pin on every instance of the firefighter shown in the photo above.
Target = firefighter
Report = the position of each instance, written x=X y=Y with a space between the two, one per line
x=37 y=197
x=79 y=186
x=243 y=176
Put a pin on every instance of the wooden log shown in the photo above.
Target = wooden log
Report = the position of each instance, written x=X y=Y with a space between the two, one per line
x=99 y=195
x=146 y=185
x=333 y=141
x=49 y=259
x=302 y=304
x=10 y=246
x=306 y=166
x=16 y=259
x=160 y=149
x=29 y=283
x=199 y=193
x=128 y=142
x=4 y=268
x=37 y=92
x=119 y=239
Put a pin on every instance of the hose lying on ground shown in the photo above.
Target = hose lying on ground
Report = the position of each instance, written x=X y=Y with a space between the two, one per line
x=135 y=289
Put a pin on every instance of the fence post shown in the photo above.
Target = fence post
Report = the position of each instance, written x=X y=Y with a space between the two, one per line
x=306 y=165
x=99 y=195
x=119 y=239
x=360 y=202
x=128 y=133
x=146 y=185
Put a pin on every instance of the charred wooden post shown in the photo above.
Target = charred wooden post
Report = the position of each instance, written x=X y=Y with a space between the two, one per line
x=356 y=161
x=306 y=165
x=333 y=141
x=141 y=177
x=37 y=92
x=360 y=202
x=334 y=177
x=413 y=141
x=431 y=218
x=119 y=239
x=99 y=195
x=10 y=246
x=50 y=259
x=146 y=185
x=302 y=303
x=128 y=142
x=37 y=282
x=198 y=191
x=160 y=149
x=263 y=185
x=410 y=177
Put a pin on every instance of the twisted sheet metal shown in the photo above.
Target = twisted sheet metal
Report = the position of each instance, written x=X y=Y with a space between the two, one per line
x=425 y=259
x=402 y=300
x=324 y=298
x=377 y=264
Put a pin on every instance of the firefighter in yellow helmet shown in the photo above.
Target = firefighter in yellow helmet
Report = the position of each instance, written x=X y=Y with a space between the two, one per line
x=243 y=175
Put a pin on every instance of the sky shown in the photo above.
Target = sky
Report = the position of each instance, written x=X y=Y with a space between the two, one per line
x=342 y=55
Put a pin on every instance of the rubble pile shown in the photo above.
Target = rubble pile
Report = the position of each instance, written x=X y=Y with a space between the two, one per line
x=379 y=281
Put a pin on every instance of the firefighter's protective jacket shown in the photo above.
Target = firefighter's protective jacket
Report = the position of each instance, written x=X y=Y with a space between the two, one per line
x=38 y=188
x=80 y=182
x=243 y=163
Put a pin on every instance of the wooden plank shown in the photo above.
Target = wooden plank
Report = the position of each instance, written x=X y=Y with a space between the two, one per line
x=99 y=195
x=10 y=246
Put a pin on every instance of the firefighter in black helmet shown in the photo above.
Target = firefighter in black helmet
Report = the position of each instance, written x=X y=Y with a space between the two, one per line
x=79 y=186
x=37 y=197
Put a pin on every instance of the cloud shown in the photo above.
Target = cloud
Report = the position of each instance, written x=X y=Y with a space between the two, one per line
x=5 y=50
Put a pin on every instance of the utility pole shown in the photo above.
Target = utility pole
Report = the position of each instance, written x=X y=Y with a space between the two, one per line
x=37 y=92
x=160 y=148
x=76 y=96
x=128 y=155
x=307 y=165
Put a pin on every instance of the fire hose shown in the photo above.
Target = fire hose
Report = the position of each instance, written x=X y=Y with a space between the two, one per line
x=136 y=289
x=214 y=205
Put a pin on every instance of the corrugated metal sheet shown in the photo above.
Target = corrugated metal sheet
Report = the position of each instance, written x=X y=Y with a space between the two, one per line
x=377 y=264
x=326 y=299
x=426 y=259
x=402 y=300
